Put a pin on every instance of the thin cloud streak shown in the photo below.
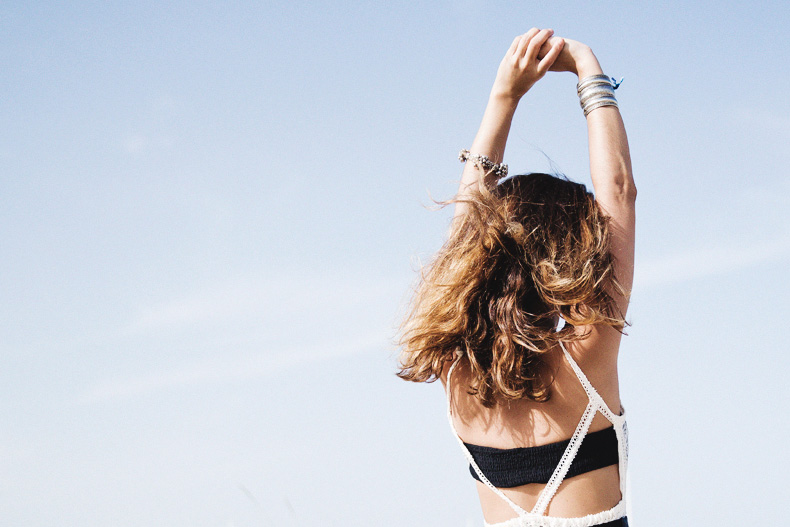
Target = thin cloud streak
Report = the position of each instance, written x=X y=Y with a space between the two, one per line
x=709 y=261
x=255 y=298
x=211 y=372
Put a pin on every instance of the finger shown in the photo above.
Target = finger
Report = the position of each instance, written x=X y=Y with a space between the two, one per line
x=514 y=45
x=546 y=47
x=525 y=40
x=551 y=56
x=537 y=42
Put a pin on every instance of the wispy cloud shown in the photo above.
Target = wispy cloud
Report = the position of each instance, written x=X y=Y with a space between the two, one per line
x=225 y=370
x=215 y=303
x=246 y=298
x=155 y=118
x=140 y=143
x=777 y=122
x=317 y=316
x=709 y=261
x=135 y=143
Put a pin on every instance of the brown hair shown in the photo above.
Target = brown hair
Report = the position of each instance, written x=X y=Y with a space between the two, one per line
x=530 y=249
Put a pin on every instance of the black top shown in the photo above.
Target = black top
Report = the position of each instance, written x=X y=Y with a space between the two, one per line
x=514 y=467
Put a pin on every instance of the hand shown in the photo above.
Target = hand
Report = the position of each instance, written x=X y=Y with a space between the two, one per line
x=521 y=68
x=574 y=57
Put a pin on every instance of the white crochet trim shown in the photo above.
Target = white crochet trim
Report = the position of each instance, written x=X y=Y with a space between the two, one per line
x=615 y=513
x=620 y=428
x=535 y=518
x=591 y=392
x=565 y=461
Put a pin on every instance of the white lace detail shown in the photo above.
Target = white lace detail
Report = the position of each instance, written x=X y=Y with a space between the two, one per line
x=615 y=513
x=565 y=461
x=536 y=517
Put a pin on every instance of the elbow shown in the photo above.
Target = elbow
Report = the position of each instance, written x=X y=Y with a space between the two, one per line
x=629 y=191
x=614 y=179
x=624 y=185
x=622 y=191
x=626 y=194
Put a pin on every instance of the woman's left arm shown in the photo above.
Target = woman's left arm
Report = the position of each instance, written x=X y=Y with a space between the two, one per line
x=519 y=70
x=610 y=170
x=613 y=179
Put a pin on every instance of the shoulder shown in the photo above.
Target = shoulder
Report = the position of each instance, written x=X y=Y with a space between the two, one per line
x=598 y=345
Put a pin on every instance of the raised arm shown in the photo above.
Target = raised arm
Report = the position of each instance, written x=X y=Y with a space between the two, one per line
x=519 y=70
x=610 y=166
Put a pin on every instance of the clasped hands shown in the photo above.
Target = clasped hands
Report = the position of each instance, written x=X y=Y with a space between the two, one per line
x=533 y=54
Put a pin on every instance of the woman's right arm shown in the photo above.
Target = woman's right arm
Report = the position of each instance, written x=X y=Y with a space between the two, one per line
x=519 y=70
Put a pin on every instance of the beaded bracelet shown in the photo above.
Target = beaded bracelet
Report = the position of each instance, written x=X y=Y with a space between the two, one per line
x=484 y=162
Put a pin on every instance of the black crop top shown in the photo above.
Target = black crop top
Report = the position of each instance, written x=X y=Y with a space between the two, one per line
x=514 y=467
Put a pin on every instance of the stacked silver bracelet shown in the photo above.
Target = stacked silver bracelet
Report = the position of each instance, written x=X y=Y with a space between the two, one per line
x=500 y=169
x=596 y=91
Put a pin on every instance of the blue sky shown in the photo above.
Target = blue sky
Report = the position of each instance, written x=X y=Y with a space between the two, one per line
x=211 y=215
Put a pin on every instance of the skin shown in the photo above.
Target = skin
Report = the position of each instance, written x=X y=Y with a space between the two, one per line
x=525 y=423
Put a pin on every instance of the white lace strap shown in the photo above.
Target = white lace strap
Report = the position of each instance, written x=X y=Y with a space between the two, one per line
x=467 y=454
x=588 y=387
x=564 y=465
x=622 y=447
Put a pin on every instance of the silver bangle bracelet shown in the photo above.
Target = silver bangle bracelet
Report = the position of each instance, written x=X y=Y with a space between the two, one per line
x=484 y=162
x=599 y=104
x=597 y=91
x=594 y=80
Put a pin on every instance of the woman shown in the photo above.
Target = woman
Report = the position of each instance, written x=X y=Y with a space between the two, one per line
x=537 y=404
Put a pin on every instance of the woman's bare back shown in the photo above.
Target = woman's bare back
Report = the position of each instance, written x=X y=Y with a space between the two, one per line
x=525 y=423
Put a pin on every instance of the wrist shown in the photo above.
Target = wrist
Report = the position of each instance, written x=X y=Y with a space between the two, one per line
x=503 y=98
x=587 y=65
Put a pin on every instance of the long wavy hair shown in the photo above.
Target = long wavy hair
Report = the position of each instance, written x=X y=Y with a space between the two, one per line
x=527 y=251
